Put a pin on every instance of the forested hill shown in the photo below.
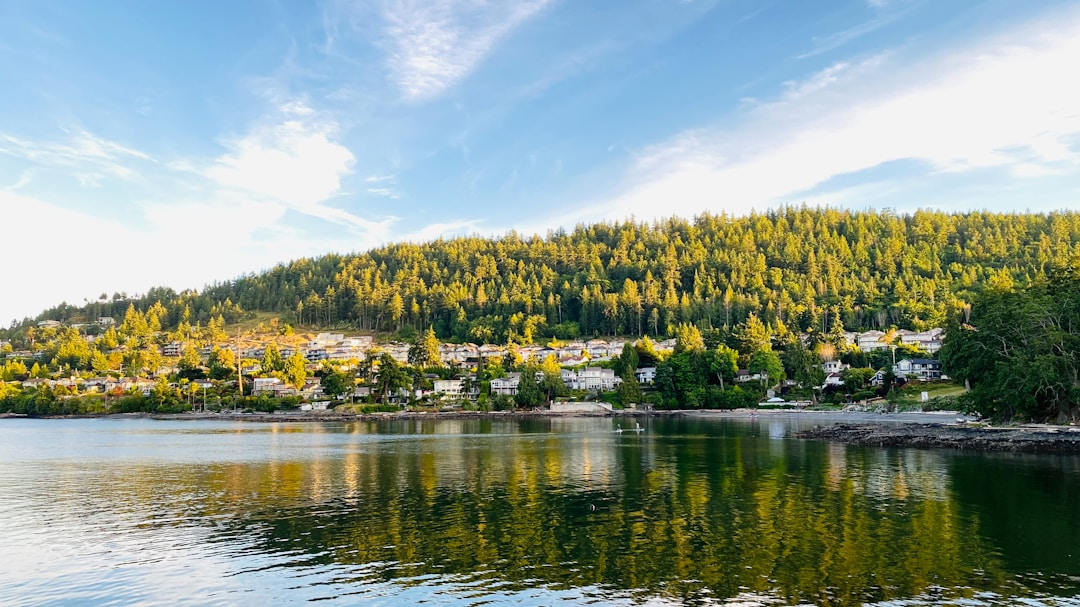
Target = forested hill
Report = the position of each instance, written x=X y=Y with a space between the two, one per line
x=797 y=266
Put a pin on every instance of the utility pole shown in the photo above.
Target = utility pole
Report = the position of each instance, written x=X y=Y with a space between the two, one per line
x=239 y=368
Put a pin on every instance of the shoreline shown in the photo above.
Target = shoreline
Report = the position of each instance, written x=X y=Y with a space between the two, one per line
x=920 y=430
x=329 y=417
x=1051 y=440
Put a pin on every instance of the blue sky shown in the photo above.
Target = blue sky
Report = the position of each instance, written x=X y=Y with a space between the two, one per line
x=179 y=143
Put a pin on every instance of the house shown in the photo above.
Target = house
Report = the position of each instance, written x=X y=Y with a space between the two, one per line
x=743 y=376
x=833 y=366
x=312 y=388
x=507 y=386
x=265 y=385
x=595 y=379
x=106 y=321
x=37 y=382
x=929 y=340
x=172 y=349
x=922 y=369
x=869 y=341
x=95 y=384
x=645 y=375
x=49 y=324
x=833 y=379
x=143 y=385
x=450 y=388
x=326 y=339
x=315 y=355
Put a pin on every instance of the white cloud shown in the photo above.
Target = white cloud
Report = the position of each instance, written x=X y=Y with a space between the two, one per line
x=443 y=230
x=432 y=44
x=384 y=192
x=89 y=158
x=1006 y=103
x=196 y=221
x=293 y=160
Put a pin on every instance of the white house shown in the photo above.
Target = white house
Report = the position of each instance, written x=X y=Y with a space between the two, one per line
x=449 y=388
x=594 y=379
x=872 y=340
x=833 y=366
x=833 y=379
x=326 y=339
x=266 y=385
x=507 y=386
x=645 y=375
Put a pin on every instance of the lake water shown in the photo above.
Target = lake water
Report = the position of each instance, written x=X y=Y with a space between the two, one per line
x=524 y=512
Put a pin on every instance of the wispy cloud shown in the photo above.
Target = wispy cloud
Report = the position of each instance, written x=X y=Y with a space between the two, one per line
x=1007 y=104
x=88 y=157
x=432 y=44
x=824 y=44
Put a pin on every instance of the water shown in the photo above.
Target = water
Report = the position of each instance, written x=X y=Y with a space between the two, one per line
x=534 y=512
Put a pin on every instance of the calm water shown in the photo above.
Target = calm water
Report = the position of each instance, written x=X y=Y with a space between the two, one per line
x=537 y=512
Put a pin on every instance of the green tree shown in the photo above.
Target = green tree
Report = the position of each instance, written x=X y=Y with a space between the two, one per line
x=529 y=393
x=190 y=366
x=424 y=352
x=337 y=383
x=752 y=336
x=222 y=363
x=629 y=390
x=768 y=364
x=272 y=360
x=688 y=339
x=391 y=377
x=295 y=370
x=723 y=364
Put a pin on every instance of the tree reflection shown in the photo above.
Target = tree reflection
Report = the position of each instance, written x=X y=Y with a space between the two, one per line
x=687 y=511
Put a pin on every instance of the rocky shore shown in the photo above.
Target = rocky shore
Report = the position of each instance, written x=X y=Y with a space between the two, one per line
x=1053 y=440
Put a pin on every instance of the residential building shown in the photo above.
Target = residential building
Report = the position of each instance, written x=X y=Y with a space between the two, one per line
x=872 y=340
x=922 y=369
x=172 y=349
x=507 y=386
x=265 y=385
x=833 y=366
x=645 y=375
x=49 y=324
x=326 y=339
x=833 y=379
x=595 y=379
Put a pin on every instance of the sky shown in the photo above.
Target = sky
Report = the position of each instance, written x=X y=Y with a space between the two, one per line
x=178 y=144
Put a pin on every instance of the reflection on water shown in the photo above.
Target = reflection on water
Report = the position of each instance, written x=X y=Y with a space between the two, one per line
x=534 y=512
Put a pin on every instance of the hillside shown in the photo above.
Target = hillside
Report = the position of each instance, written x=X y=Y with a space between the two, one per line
x=797 y=266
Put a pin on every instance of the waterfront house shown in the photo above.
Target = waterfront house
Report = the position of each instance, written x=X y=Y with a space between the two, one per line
x=922 y=369
x=645 y=375
x=595 y=379
x=507 y=386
